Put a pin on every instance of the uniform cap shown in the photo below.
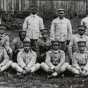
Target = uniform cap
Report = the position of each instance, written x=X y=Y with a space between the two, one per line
x=81 y=43
x=80 y=27
x=26 y=39
x=55 y=41
x=21 y=31
x=45 y=30
x=61 y=9
x=26 y=42
x=4 y=27
x=34 y=8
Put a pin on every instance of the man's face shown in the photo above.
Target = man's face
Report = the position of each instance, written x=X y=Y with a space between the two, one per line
x=81 y=30
x=26 y=47
x=61 y=14
x=55 y=46
x=81 y=48
x=22 y=35
x=33 y=11
x=44 y=35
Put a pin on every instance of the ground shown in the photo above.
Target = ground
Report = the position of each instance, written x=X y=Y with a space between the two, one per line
x=37 y=81
x=41 y=81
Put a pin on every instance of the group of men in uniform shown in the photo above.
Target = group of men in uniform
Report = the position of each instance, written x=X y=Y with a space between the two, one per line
x=35 y=48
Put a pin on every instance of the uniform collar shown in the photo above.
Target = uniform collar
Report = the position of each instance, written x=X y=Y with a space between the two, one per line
x=61 y=19
x=30 y=51
x=80 y=36
x=56 y=51
x=33 y=15
x=43 y=39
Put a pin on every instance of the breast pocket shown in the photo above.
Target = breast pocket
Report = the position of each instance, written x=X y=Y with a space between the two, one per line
x=28 y=22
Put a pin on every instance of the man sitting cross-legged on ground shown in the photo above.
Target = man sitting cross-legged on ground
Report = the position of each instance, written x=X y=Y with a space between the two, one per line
x=80 y=60
x=76 y=38
x=27 y=58
x=4 y=37
x=55 y=60
x=5 y=62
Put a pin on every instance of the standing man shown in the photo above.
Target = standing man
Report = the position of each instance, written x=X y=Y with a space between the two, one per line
x=61 y=30
x=32 y=25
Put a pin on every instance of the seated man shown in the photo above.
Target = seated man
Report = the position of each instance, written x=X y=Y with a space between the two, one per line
x=80 y=60
x=4 y=37
x=5 y=62
x=17 y=44
x=55 y=60
x=76 y=38
x=27 y=58
x=44 y=45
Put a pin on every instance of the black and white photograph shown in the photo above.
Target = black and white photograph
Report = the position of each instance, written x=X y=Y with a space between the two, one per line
x=43 y=43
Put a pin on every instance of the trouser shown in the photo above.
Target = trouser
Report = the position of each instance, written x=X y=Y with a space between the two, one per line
x=33 y=68
x=11 y=64
x=47 y=68
x=64 y=47
x=76 y=71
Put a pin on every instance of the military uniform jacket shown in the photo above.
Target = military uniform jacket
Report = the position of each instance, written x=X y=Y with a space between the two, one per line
x=32 y=25
x=76 y=38
x=80 y=59
x=61 y=29
x=26 y=59
x=53 y=58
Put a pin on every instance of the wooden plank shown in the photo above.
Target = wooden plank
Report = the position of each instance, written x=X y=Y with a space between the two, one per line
x=71 y=6
x=20 y=2
x=23 y=4
x=2 y=4
x=13 y=3
x=5 y=5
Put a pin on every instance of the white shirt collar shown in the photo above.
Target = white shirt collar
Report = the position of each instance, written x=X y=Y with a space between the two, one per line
x=33 y=15
x=61 y=19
